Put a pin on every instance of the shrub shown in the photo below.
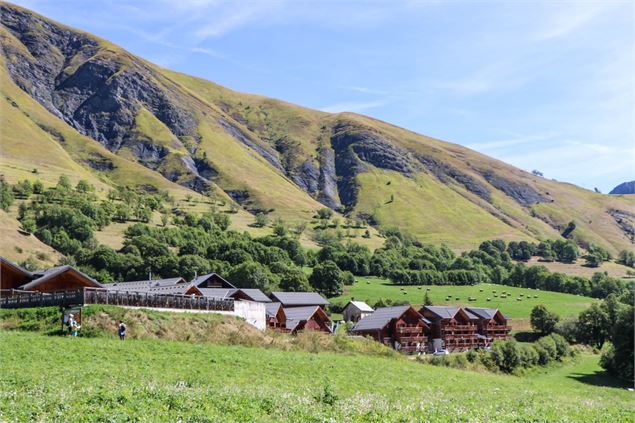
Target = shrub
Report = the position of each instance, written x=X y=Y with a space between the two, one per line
x=549 y=345
x=506 y=355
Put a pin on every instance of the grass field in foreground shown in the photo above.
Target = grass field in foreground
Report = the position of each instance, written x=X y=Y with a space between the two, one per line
x=372 y=289
x=66 y=379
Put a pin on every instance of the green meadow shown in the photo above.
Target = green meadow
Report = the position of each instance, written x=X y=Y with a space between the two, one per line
x=371 y=289
x=51 y=378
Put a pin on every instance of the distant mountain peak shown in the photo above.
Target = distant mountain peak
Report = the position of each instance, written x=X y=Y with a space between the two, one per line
x=624 y=188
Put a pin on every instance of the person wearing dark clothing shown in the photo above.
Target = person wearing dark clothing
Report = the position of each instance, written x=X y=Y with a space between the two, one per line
x=122 y=330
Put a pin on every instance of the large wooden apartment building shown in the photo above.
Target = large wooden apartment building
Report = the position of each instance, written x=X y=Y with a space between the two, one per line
x=402 y=327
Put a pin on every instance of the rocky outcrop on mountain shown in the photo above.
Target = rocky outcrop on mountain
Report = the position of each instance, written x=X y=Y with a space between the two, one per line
x=355 y=148
x=94 y=89
x=266 y=152
x=625 y=220
x=624 y=188
x=447 y=173
x=523 y=194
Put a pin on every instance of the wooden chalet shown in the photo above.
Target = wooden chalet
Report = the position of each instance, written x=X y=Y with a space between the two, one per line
x=491 y=324
x=60 y=278
x=401 y=327
x=453 y=326
x=299 y=299
x=12 y=276
x=354 y=311
x=307 y=318
x=276 y=317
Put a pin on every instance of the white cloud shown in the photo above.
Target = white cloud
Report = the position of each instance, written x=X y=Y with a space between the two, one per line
x=352 y=106
x=568 y=18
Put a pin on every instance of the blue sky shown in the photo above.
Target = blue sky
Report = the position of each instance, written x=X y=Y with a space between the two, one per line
x=541 y=85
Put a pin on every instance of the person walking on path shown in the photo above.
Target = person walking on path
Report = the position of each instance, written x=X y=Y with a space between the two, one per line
x=122 y=330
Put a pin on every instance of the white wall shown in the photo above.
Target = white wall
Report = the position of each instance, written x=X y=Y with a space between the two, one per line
x=253 y=313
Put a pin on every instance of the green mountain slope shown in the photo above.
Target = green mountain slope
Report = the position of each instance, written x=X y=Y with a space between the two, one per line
x=80 y=105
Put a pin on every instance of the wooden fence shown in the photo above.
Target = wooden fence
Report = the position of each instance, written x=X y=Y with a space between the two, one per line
x=26 y=299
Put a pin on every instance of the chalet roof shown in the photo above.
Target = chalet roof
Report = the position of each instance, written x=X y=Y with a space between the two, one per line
x=299 y=298
x=484 y=313
x=443 y=311
x=15 y=266
x=45 y=275
x=180 y=288
x=145 y=285
x=201 y=279
x=361 y=306
x=217 y=292
x=271 y=309
x=381 y=317
x=471 y=315
x=297 y=315
x=256 y=295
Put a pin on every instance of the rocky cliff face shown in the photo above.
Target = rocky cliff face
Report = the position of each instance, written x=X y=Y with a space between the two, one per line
x=93 y=87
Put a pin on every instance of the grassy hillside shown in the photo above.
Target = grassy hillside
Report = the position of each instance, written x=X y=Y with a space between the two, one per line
x=372 y=289
x=266 y=154
x=101 y=379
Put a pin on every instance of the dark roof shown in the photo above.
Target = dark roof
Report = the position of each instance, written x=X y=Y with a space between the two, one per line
x=299 y=298
x=217 y=292
x=484 y=313
x=145 y=285
x=361 y=306
x=442 y=311
x=45 y=275
x=256 y=295
x=272 y=309
x=381 y=317
x=472 y=316
x=201 y=279
x=297 y=315
x=15 y=266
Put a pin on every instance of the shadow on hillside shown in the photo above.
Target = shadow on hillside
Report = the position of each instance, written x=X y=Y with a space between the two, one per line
x=599 y=378
x=526 y=336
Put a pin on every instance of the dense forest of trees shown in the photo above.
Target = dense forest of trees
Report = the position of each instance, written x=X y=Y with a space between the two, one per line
x=185 y=244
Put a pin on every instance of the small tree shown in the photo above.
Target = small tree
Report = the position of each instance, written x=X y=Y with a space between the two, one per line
x=593 y=260
x=325 y=213
x=427 y=301
x=536 y=172
x=6 y=196
x=279 y=228
x=261 y=219
x=38 y=187
x=594 y=326
x=64 y=183
x=84 y=186
x=327 y=279
x=542 y=320
x=627 y=258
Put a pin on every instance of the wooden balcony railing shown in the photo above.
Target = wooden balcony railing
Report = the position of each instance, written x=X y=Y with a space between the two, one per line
x=457 y=328
x=498 y=328
x=420 y=339
x=121 y=298
x=409 y=329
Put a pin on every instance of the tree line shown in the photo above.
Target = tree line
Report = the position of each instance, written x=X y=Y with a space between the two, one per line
x=66 y=218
